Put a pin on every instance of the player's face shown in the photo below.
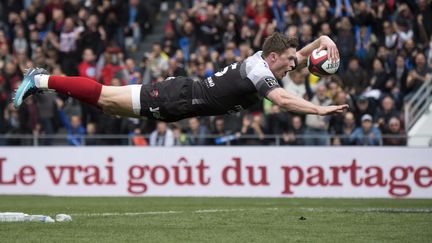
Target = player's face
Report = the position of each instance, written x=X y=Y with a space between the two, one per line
x=284 y=63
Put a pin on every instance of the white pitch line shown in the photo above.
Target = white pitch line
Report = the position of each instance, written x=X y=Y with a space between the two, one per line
x=169 y=212
x=323 y=210
x=370 y=210
x=125 y=213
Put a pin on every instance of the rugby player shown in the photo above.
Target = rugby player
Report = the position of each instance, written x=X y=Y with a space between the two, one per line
x=232 y=89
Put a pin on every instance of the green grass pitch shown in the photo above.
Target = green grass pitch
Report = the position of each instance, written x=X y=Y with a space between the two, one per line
x=148 y=219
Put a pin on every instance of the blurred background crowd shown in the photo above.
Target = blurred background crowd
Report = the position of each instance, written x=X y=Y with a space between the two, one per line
x=385 y=48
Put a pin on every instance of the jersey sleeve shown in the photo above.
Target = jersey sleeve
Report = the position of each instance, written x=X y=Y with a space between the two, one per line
x=264 y=80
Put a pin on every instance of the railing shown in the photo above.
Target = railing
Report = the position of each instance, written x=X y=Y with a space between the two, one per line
x=418 y=104
x=127 y=140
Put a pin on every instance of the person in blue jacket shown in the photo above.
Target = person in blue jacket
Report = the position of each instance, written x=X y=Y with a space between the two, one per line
x=75 y=129
x=367 y=134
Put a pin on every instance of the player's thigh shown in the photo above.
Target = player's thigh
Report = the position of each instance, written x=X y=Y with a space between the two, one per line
x=116 y=100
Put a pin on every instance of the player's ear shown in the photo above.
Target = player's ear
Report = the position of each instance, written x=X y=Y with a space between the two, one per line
x=273 y=56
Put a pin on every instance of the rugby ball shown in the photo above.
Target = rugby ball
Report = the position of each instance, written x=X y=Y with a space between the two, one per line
x=319 y=64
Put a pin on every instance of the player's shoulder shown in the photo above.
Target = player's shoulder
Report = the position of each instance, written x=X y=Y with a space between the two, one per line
x=257 y=67
x=256 y=61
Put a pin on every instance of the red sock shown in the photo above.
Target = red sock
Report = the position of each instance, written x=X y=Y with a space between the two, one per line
x=83 y=89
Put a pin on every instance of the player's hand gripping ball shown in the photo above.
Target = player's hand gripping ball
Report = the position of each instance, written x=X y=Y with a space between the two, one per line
x=319 y=64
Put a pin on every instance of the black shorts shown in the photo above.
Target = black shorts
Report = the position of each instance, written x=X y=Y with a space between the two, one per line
x=169 y=100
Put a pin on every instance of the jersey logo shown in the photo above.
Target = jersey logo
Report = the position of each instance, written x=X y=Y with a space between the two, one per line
x=209 y=82
x=154 y=93
x=156 y=112
x=270 y=81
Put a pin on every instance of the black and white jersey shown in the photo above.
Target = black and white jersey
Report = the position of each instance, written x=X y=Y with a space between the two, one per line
x=234 y=88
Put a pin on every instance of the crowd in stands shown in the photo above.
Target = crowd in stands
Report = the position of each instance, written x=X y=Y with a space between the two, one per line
x=385 y=49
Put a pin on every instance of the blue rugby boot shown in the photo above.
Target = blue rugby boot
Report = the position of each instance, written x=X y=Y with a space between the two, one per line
x=28 y=86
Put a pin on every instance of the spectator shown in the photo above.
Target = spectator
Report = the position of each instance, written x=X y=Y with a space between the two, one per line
x=296 y=134
x=74 y=128
x=305 y=35
x=158 y=62
x=394 y=135
x=419 y=75
x=113 y=66
x=317 y=126
x=343 y=8
x=400 y=74
x=345 y=41
x=347 y=129
x=321 y=19
x=175 y=68
x=20 y=44
x=423 y=16
x=67 y=46
x=137 y=138
x=390 y=37
x=188 y=41
x=259 y=11
x=91 y=133
x=364 y=15
x=336 y=122
x=355 y=79
x=47 y=115
x=294 y=83
x=93 y=36
x=196 y=133
x=57 y=22
x=179 y=137
x=219 y=131
x=363 y=105
x=252 y=131
x=386 y=111
x=40 y=25
x=277 y=121
x=137 y=19
x=87 y=68
x=367 y=134
x=14 y=124
x=379 y=76
x=162 y=135
x=403 y=24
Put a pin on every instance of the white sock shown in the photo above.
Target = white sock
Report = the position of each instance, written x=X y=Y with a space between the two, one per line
x=41 y=81
x=136 y=98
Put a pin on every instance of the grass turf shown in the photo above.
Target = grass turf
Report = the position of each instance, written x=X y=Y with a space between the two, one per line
x=219 y=220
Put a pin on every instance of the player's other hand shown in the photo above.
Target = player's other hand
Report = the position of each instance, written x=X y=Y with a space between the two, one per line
x=332 y=109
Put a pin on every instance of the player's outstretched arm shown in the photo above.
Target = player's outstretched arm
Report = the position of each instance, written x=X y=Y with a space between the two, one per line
x=322 y=43
x=289 y=101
